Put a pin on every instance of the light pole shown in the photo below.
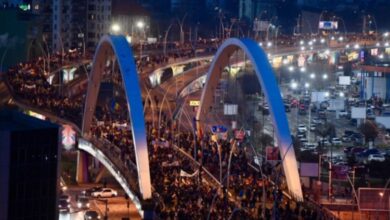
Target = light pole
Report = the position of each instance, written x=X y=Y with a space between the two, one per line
x=141 y=25
x=181 y=22
x=165 y=39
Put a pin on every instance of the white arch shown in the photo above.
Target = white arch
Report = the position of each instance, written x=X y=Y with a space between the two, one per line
x=269 y=84
x=118 y=46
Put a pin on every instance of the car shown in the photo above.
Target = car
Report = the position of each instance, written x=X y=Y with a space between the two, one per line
x=368 y=152
x=316 y=121
x=65 y=197
x=91 y=215
x=301 y=135
x=343 y=113
x=309 y=146
x=63 y=205
x=105 y=192
x=312 y=127
x=376 y=157
x=82 y=202
x=89 y=191
x=303 y=140
x=347 y=150
x=346 y=139
x=336 y=141
x=302 y=128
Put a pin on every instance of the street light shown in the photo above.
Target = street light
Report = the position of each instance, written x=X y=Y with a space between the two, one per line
x=115 y=28
x=312 y=76
x=294 y=85
x=325 y=76
x=307 y=85
x=291 y=68
x=140 y=24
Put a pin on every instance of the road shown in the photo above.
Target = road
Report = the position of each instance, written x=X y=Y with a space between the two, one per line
x=117 y=206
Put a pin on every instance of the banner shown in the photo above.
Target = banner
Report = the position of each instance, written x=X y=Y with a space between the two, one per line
x=185 y=174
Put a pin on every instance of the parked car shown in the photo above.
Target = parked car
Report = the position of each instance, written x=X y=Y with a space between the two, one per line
x=336 y=141
x=346 y=139
x=312 y=127
x=376 y=157
x=309 y=146
x=343 y=113
x=348 y=149
x=302 y=128
x=91 y=215
x=105 y=192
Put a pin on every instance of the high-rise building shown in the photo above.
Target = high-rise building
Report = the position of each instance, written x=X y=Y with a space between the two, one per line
x=29 y=168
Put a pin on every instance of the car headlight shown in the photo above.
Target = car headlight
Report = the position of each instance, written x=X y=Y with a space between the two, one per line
x=79 y=204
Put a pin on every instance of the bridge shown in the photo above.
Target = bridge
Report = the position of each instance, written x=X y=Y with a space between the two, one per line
x=134 y=174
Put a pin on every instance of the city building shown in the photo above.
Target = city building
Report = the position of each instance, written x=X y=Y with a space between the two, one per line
x=20 y=36
x=29 y=168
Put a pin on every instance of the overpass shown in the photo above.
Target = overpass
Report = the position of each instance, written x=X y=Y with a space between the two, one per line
x=127 y=175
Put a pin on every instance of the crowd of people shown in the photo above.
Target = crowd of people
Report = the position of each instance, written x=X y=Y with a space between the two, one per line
x=183 y=189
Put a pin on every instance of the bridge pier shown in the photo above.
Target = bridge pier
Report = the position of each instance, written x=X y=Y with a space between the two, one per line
x=82 y=167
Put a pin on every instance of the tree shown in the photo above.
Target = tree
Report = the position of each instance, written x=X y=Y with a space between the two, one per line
x=369 y=130
x=325 y=130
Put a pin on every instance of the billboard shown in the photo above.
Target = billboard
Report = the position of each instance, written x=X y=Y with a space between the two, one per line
x=230 y=109
x=328 y=25
x=344 y=80
x=309 y=169
x=358 y=112
x=319 y=96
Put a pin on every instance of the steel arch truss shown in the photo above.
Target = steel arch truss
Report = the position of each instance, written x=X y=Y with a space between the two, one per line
x=272 y=93
x=118 y=46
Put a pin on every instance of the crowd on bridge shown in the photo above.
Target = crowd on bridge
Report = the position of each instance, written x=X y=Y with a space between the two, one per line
x=185 y=186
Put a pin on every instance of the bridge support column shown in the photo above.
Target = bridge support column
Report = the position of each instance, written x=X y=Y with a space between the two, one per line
x=82 y=167
x=148 y=208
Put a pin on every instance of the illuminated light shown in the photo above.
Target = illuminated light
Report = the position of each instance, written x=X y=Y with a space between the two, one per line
x=115 y=28
x=285 y=61
x=140 y=24
x=356 y=46
x=128 y=38
x=260 y=44
x=311 y=48
x=381 y=56
x=307 y=85
x=340 y=67
x=326 y=94
x=341 y=38
x=302 y=48
x=341 y=94
x=327 y=52
x=310 y=43
x=325 y=76
x=294 y=85
x=314 y=40
x=386 y=44
x=386 y=34
x=332 y=38
x=312 y=76
x=303 y=69
x=347 y=46
x=322 y=40
x=378 y=44
x=291 y=68
x=301 y=42
x=269 y=44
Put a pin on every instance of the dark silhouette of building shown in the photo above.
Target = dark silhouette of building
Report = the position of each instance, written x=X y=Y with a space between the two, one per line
x=29 y=155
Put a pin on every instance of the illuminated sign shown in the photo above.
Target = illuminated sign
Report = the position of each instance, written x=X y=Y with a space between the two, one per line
x=194 y=103
x=36 y=115
x=328 y=25
x=68 y=136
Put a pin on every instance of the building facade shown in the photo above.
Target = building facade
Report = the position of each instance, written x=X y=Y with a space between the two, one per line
x=29 y=168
